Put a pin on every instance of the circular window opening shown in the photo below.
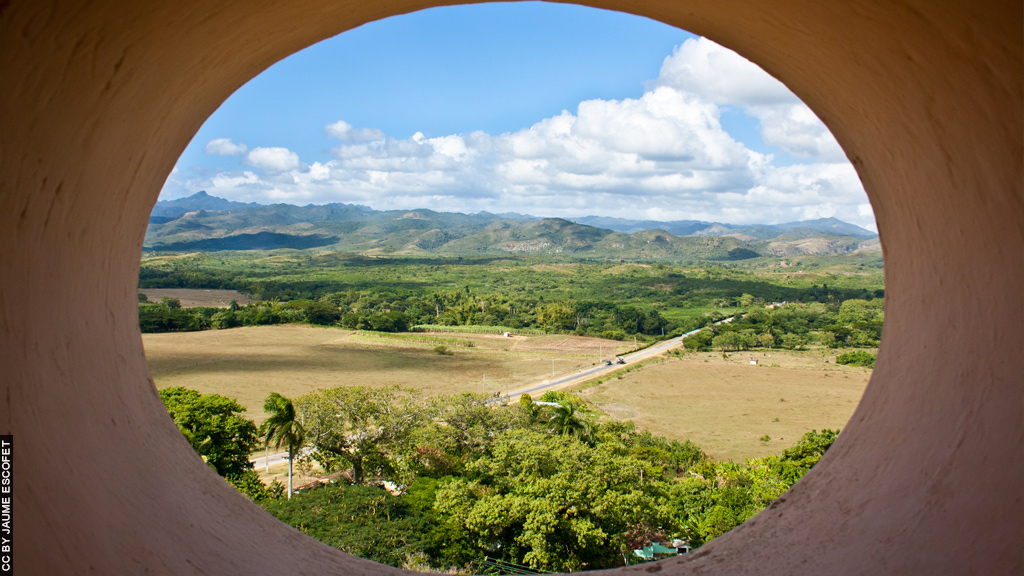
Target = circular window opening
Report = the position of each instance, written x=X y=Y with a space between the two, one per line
x=604 y=264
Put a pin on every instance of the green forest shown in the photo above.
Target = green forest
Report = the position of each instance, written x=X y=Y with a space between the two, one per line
x=543 y=484
x=838 y=305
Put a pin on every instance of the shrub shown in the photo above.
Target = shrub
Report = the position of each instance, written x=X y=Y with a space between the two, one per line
x=792 y=342
x=857 y=358
x=699 y=342
x=613 y=335
x=352 y=519
x=249 y=483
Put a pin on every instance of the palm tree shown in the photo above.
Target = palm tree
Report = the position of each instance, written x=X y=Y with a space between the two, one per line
x=282 y=428
x=565 y=419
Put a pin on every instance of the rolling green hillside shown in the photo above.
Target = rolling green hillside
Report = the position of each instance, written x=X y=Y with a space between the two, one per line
x=203 y=223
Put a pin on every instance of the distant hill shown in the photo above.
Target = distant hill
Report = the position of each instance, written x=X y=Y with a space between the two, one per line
x=698 y=227
x=831 y=225
x=167 y=210
x=257 y=241
x=204 y=223
x=676 y=227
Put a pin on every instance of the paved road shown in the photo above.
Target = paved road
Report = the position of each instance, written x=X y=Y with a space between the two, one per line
x=275 y=459
x=601 y=369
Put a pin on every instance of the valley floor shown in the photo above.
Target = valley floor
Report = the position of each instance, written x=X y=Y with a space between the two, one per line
x=726 y=406
x=249 y=363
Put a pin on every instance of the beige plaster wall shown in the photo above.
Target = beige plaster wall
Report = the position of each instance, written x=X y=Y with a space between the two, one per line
x=99 y=98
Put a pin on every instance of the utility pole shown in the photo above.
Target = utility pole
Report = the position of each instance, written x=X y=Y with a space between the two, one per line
x=552 y=367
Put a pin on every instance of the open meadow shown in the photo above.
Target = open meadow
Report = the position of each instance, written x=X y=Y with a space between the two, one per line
x=249 y=363
x=727 y=406
x=190 y=297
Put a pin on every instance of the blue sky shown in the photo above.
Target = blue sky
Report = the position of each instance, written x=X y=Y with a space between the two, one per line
x=553 y=110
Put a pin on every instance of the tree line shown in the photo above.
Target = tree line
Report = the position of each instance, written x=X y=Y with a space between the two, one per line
x=617 y=300
x=852 y=323
x=362 y=311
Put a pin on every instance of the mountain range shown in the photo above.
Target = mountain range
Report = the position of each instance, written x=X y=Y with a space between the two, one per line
x=204 y=223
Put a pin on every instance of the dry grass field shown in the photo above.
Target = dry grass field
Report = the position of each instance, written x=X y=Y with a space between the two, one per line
x=727 y=406
x=250 y=363
x=190 y=297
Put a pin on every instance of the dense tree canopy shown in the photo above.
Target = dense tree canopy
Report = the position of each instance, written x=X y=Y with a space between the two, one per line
x=538 y=483
x=214 y=427
x=351 y=518
x=367 y=428
x=852 y=323
x=718 y=496
x=611 y=300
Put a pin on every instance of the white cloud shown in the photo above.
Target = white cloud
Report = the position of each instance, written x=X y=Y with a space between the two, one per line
x=344 y=131
x=662 y=156
x=229 y=181
x=722 y=77
x=225 y=147
x=274 y=159
x=796 y=129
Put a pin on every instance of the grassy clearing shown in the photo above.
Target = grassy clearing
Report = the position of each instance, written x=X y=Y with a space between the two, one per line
x=414 y=338
x=728 y=406
x=191 y=298
x=476 y=329
x=250 y=363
